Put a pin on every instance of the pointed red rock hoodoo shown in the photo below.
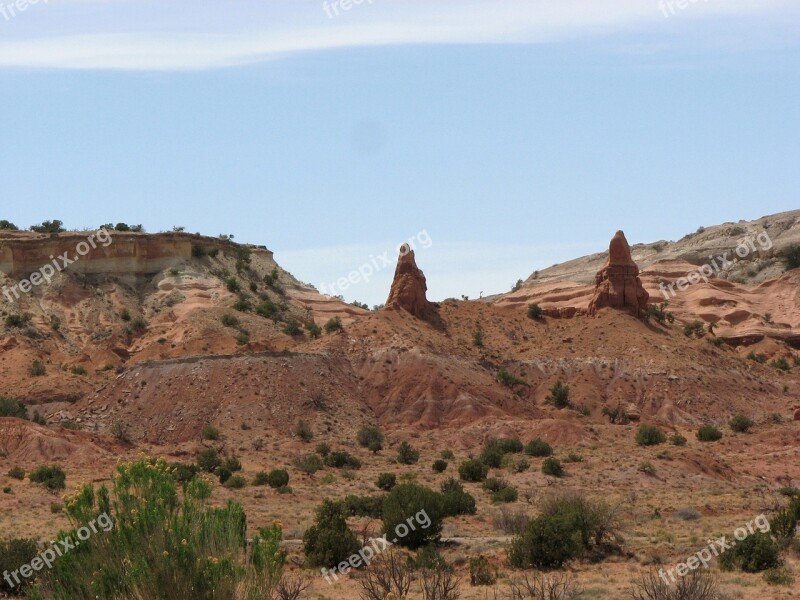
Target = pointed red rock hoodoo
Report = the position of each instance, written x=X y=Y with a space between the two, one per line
x=409 y=287
x=617 y=284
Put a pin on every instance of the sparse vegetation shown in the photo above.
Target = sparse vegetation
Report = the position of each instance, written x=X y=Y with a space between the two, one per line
x=473 y=470
x=698 y=584
x=370 y=437
x=303 y=431
x=209 y=433
x=386 y=481
x=535 y=311
x=552 y=466
x=709 y=433
x=407 y=455
x=741 y=423
x=334 y=324
x=507 y=379
x=559 y=395
x=52 y=477
x=649 y=435
x=538 y=448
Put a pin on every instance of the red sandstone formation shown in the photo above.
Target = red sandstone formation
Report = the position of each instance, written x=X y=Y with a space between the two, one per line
x=409 y=287
x=617 y=284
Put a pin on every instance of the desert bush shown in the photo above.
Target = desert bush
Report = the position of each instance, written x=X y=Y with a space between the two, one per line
x=12 y=408
x=230 y=321
x=17 y=473
x=481 y=571
x=235 y=482
x=617 y=415
x=559 y=395
x=407 y=501
x=494 y=484
x=438 y=581
x=538 y=448
x=439 y=466
x=329 y=541
x=779 y=576
x=547 y=543
x=456 y=500
x=261 y=478
x=791 y=257
x=120 y=431
x=293 y=328
x=686 y=513
x=209 y=433
x=781 y=364
x=208 y=460
x=694 y=329
x=308 y=464
x=709 y=433
x=407 y=455
x=447 y=455
x=323 y=449
x=386 y=481
x=473 y=470
x=370 y=437
x=334 y=324
x=183 y=473
x=541 y=586
x=363 y=506
x=507 y=379
x=512 y=522
x=677 y=440
x=342 y=459
x=51 y=477
x=388 y=576
x=37 y=369
x=505 y=495
x=303 y=431
x=755 y=553
x=783 y=525
x=552 y=466
x=698 y=584
x=14 y=553
x=649 y=435
x=534 y=311
x=278 y=478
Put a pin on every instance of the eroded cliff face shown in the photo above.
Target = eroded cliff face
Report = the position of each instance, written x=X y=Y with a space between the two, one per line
x=103 y=252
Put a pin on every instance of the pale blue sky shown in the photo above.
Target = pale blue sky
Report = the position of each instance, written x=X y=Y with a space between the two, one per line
x=515 y=133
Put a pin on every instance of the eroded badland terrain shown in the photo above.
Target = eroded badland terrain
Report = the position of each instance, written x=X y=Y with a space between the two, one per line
x=169 y=344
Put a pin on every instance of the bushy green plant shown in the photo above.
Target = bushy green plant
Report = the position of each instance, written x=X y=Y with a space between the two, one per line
x=209 y=433
x=329 y=541
x=14 y=553
x=440 y=466
x=370 y=437
x=650 y=435
x=547 y=543
x=303 y=431
x=538 y=448
x=235 y=482
x=408 y=501
x=507 y=379
x=559 y=395
x=12 y=408
x=278 y=478
x=456 y=500
x=17 y=473
x=677 y=440
x=208 y=460
x=334 y=324
x=741 y=423
x=791 y=257
x=473 y=470
x=363 y=506
x=505 y=495
x=261 y=478
x=308 y=464
x=323 y=449
x=159 y=543
x=341 y=459
x=52 y=477
x=407 y=455
x=481 y=571
x=755 y=553
x=230 y=321
x=709 y=433
x=386 y=481
x=552 y=466
x=535 y=311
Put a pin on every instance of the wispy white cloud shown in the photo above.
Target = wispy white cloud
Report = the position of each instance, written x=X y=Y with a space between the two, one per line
x=167 y=39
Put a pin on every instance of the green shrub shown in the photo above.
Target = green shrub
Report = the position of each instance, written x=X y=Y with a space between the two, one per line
x=650 y=435
x=278 y=478
x=235 y=482
x=741 y=423
x=308 y=464
x=14 y=553
x=559 y=395
x=160 y=544
x=386 y=481
x=209 y=433
x=329 y=541
x=370 y=437
x=230 y=321
x=779 y=576
x=334 y=324
x=535 y=311
x=507 y=379
x=505 y=495
x=781 y=364
x=208 y=460
x=447 y=455
x=233 y=285
x=17 y=473
x=677 y=440
x=492 y=456
x=15 y=321
x=323 y=449
x=548 y=542
x=341 y=459
x=293 y=328
x=406 y=455
x=493 y=484
x=12 y=408
x=709 y=433
x=473 y=470
x=481 y=571
x=755 y=553
x=791 y=257
x=552 y=466
x=694 y=329
x=8 y=226
x=783 y=525
x=456 y=500
x=303 y=431
x=52 y=477
x=37 y=369
x=313 y=329
x=440 y=466
x=261 y=478
x=538 y=448
x=184 y=473
x=363 y=506
x=402 y=509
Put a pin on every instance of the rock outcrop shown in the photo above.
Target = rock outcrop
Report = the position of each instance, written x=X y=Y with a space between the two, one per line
x=409 y=287
x=617 y=284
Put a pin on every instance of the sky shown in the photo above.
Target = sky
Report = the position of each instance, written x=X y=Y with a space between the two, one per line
x=508 y=135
